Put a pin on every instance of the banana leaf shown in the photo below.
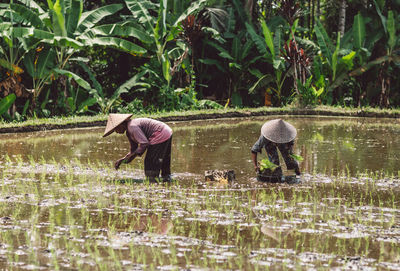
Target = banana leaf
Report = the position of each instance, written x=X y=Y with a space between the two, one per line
x=58 y=18
x=6 y=103
x=140 y=10
x=209 y=61
x=23 y=32
x=42 y=65
x=166 y=67
x=79 y=80
x=358 y=31
x=391 y=28
x=236 y=48
x=383 y=18
x=28 y=15
x=121 y=44
x=262 y=81
x=6 y=64
x=195 y=6
x=32 y=5
x=335 y=58
x=90 y=18
x=245 y=50
x=375 y=62
x=25 y=109
x=133 y=82
x=268 y=38
x=65 y=42
x=121 y=30
x=257 y=39
x=95 y=84
x=73 y=16
x=84 y=106
x=324 y=41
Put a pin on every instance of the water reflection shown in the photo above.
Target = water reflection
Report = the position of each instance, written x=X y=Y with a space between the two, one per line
x=328 y=145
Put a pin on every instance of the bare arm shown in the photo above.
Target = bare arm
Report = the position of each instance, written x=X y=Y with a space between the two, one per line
x=126 y=159
x=129 y=156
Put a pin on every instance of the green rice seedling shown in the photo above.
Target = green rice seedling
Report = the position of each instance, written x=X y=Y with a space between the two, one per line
x=267 y=164
x=42 y=160
x=32 y=161
x=7 y=159
x=114 y=258
x=66 y=162
x=77 y=162
x=52 y=161
x=296 y=157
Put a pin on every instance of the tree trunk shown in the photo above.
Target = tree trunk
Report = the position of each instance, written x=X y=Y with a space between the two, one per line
x=312 y=18
x=385 y=86
x=342 y=17
x=309 y=19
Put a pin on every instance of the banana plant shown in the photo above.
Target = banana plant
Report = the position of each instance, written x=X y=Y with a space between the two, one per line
x=12 y=51
x=66 y=27
x=269 y=46
x=63 y=29
x=338 y=60
x=391 y=42
x=97 y=95
x=161 y=28
x=235 y=62
x=163 y=46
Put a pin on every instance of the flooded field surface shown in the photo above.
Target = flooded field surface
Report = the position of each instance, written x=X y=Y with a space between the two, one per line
x=63 y=206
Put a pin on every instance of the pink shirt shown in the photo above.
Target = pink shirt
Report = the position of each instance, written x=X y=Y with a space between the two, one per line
x=143 y=132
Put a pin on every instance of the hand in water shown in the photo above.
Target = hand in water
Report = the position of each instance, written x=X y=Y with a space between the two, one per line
x=118 y=163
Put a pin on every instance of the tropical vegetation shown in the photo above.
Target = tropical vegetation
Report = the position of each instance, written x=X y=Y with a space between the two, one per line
x=70 y=57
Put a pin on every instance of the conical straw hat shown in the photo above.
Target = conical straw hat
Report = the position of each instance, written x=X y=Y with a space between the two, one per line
x=278 y=131
x=113 y=121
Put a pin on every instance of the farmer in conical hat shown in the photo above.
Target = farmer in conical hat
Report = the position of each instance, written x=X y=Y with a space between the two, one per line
x=144 y=134
x=276 y=134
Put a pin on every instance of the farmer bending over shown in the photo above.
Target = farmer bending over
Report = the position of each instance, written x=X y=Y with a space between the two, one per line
x=144 y=133
x=276 y=134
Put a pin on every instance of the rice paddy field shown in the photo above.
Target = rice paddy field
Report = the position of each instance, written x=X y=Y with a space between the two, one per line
x=64 y=207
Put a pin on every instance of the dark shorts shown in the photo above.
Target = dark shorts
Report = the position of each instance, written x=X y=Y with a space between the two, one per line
x=158 y=158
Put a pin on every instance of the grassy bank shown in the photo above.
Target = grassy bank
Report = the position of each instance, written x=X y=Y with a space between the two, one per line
x=39 y=124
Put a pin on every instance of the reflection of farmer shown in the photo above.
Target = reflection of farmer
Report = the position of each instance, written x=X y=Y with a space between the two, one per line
x=276 y=134
x=144 y=133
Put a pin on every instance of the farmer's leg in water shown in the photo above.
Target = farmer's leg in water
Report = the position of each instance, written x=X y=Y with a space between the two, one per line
x=166 y=164
x=155 y=160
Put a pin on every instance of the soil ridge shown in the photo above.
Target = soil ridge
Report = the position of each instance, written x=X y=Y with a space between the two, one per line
x=204 y=116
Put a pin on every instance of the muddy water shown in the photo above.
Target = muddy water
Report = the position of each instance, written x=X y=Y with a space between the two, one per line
x=329 y=145
x=63 y=206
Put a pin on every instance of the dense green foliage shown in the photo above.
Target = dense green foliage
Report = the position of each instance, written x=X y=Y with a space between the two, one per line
x=69 y=57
